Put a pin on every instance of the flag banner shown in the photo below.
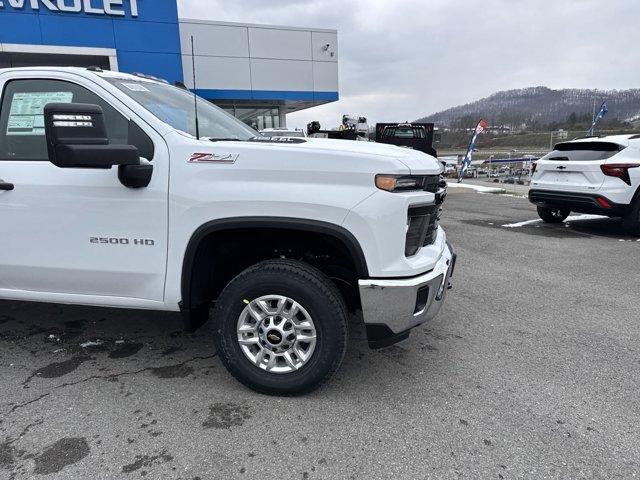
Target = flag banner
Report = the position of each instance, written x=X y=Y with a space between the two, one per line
x=603 y=111
x=480 y=127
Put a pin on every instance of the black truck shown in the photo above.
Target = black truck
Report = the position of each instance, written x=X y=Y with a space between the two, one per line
x=418 y=136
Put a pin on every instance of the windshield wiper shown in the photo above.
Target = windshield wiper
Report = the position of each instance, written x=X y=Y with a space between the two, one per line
x=224 y=139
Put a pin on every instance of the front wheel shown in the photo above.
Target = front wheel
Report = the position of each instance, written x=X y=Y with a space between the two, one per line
x=281 y=327
x=553 y=215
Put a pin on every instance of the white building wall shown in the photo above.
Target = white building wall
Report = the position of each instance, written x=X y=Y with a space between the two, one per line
x=281 y=75
x=218 y=73
x=325 y=76
x=214 y=40
x=256 y=58
x=280 y=44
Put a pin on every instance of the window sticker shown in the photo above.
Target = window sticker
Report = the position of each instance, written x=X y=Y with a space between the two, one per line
x=26 y=115
x=135 y=87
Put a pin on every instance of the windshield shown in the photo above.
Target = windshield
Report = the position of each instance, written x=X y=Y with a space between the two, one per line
x=283 y=134
x=175 y=107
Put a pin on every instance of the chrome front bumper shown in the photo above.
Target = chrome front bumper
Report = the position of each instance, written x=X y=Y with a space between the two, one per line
x=392 y=306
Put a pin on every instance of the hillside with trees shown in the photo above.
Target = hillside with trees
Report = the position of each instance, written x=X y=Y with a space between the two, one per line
x=542 y=109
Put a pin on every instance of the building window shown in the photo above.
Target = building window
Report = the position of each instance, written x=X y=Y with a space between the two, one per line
x=259 y=117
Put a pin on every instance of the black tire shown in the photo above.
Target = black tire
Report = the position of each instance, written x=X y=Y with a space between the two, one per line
x=553 y=215
x=631 y=220
x=311 y=289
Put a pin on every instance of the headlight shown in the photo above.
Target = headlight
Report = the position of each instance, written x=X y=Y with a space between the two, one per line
x=401 y=183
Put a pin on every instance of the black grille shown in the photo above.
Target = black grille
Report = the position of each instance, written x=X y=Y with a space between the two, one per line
x=432 y=183
x=432 y=229
x=422 y=221
x=422 y=224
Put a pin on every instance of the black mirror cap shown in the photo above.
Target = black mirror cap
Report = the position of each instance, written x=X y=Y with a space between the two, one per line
x=75 y=124
x=135 y=176
x=94 y=156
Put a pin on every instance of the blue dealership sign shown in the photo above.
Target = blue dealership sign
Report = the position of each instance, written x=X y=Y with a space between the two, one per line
x=144 y=33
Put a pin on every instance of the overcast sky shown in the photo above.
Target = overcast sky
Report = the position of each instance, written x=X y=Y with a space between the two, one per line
x=402 y=59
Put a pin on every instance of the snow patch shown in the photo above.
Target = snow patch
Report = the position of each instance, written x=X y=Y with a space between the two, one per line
x=512 y=195
x=521 y=224
x=584 y=217
x=477 y=188
x=570 y=218
x=95 y=343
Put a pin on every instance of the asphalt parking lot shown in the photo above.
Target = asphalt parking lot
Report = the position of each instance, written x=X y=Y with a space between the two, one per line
x=531 y=371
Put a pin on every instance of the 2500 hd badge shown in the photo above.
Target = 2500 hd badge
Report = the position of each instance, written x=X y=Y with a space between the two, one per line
x=145 y=242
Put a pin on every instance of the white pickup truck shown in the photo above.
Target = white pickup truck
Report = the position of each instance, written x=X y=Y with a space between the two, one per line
x=274 y=240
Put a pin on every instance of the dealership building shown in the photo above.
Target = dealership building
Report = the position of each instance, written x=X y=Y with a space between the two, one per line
x=259 y=73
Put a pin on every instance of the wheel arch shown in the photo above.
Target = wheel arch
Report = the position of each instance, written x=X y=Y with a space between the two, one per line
x=337 y=232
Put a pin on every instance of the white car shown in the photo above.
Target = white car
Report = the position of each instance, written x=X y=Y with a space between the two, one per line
x=599 y=175
x=275 y=239
x=284 y=132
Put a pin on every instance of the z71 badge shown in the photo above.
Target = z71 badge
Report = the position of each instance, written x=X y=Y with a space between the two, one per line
x=213 y=158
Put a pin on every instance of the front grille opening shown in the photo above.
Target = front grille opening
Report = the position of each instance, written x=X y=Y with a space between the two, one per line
x=422 y=221
x=421 y=300
x=422 y=227
x=432 y=228
x=432 y=183
x=417 y=226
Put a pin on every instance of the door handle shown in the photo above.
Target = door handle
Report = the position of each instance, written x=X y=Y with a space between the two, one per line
x=6 y=186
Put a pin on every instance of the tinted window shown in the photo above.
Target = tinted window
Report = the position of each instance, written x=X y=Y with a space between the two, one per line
x=583 y=151
x=22 y=116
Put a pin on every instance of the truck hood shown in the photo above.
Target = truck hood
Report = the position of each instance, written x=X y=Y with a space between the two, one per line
x=417 y=162
x=313 y=156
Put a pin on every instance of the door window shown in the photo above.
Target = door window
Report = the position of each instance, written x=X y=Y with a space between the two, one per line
x=22 y=135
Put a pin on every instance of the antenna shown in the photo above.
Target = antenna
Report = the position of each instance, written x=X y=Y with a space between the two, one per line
x=195 y=96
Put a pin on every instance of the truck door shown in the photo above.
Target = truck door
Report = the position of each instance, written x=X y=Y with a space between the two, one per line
x=76 y=235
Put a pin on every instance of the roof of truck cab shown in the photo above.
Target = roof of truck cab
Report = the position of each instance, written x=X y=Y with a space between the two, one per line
x=45 y=67
x=84 y=72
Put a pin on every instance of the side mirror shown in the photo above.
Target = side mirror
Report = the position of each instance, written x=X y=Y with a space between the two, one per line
x=136 y=176
x=77 y=138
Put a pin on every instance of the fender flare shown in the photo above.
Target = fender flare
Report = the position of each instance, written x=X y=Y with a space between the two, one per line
x=339 y=233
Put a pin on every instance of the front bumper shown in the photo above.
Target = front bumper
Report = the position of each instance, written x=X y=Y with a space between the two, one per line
x=393 y=306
